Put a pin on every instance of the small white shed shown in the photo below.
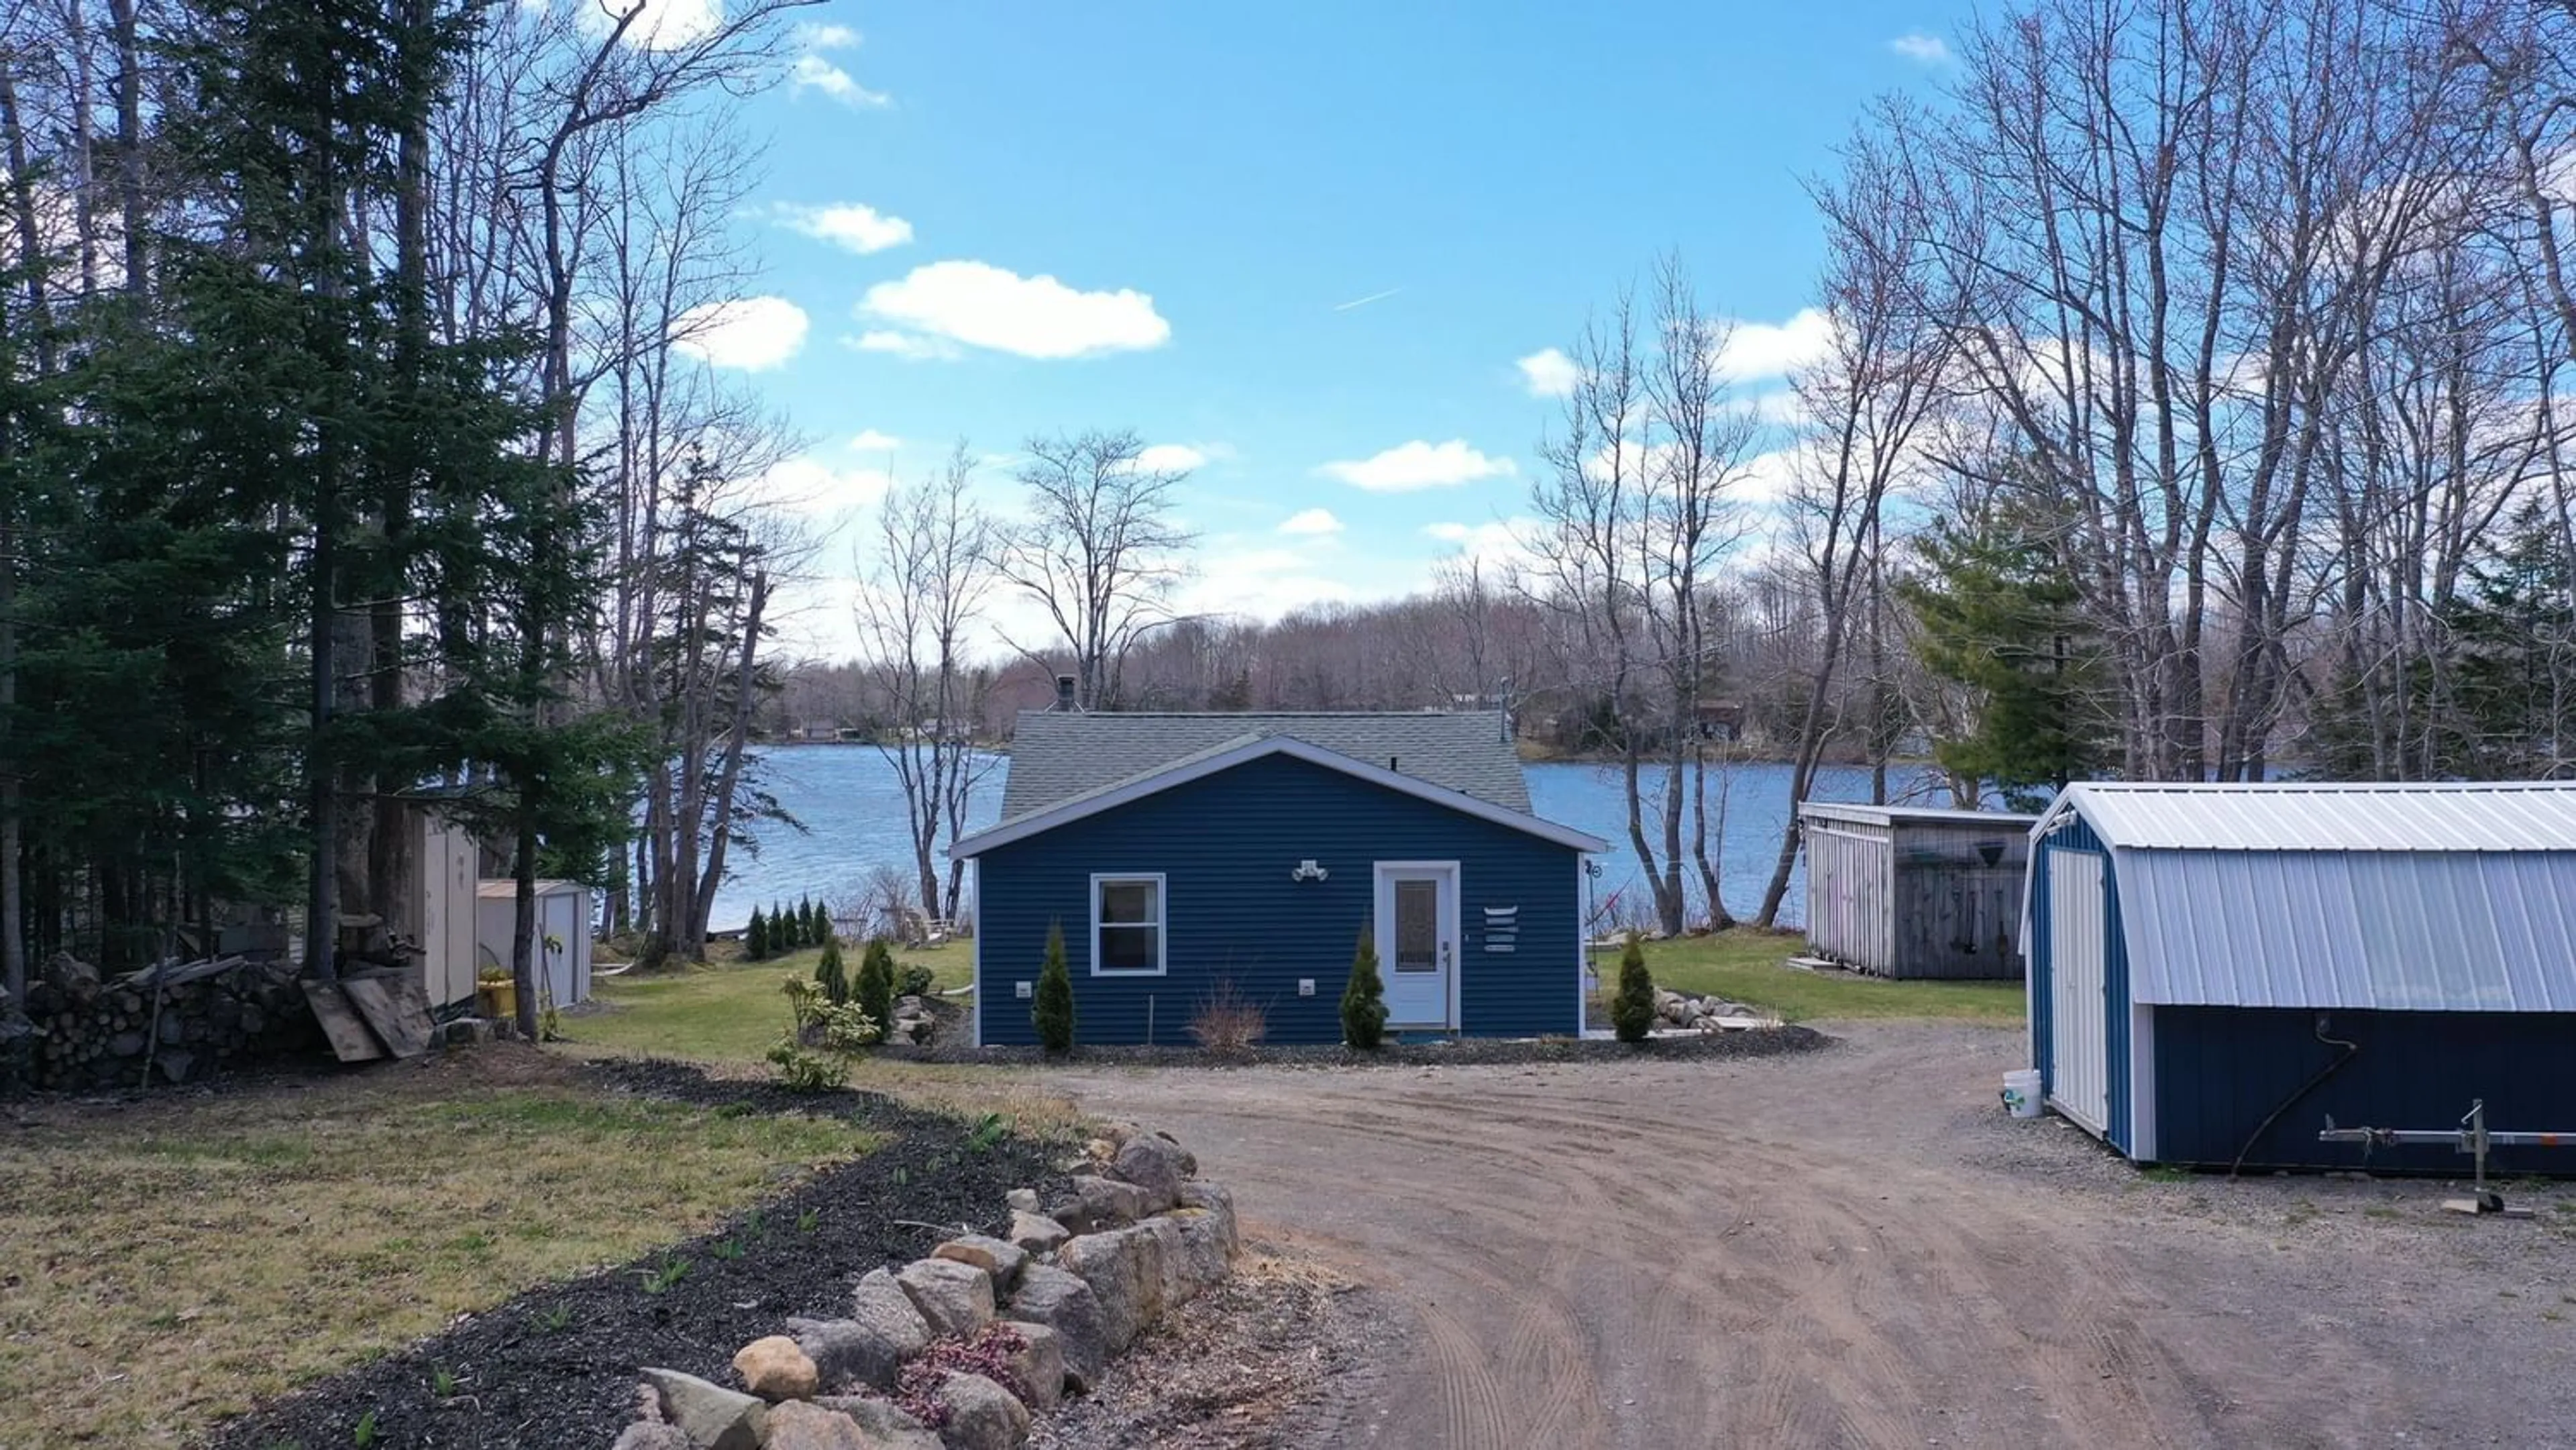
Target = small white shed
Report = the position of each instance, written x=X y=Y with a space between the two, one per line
x=563 y=916
x=443 y=905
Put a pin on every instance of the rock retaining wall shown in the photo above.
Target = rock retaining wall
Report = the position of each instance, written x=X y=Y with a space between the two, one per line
x=959 y=1350
x=189 y=1020
x=1692 y=1012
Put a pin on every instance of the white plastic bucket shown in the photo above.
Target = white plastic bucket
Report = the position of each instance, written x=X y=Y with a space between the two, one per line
x=2021 y=1092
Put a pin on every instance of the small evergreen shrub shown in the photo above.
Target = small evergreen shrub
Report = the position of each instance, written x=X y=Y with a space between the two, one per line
x=916 y=980
x=809 y=931
x=875 y=990
x=833 y=977
x=1364 y=1000
x=1052 y=1012
x=755 y=939
x=1632 y=1007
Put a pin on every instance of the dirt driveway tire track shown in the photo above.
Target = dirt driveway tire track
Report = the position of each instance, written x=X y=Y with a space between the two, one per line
x=1851 y=1248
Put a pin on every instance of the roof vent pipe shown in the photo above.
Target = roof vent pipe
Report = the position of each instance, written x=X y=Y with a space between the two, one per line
x=1064 y=692
x=1390 y=765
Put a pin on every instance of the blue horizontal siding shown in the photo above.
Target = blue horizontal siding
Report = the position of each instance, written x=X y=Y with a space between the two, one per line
x=1226 y=844
x=2221 y=1071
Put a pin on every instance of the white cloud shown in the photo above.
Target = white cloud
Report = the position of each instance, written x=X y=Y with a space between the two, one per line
x=1415 y=465
x=902 y=344
x=1921 y=48
x=872 y=441
x=807 y=485
x=1501 y=542
x=813 y=35
x=991 y=307
x=1170 y=458
x=1782 y=407
x=751 y=333
x=1549 y=373
x=1771 y=350
x=849 y=225
x=668 y=24
x=1312 y=521
x=813 y=73
x=1263 y=581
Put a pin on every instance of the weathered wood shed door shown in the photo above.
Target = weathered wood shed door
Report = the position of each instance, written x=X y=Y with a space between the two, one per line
x=2079 y=1045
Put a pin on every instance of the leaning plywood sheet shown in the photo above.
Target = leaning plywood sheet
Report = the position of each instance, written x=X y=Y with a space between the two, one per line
x=348 y=1034
x=400 y=1016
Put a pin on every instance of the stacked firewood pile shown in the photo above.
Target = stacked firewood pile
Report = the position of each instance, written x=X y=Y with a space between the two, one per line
x=175 y=1022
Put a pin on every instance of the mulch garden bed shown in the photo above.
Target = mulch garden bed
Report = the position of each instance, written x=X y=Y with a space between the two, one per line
x=555 y=1367
x=1459 y=1052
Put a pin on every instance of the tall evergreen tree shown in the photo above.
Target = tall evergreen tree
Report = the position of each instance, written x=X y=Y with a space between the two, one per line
x=1996 y=613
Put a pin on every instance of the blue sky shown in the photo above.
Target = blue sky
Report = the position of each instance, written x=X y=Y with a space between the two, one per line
x=1283 y=239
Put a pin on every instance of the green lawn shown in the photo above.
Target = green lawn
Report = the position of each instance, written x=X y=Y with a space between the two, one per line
x=1746 y=966
x=167 y=1262
x=729 y=1012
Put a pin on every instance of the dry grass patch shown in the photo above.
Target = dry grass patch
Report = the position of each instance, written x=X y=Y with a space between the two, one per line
x=165 y=1264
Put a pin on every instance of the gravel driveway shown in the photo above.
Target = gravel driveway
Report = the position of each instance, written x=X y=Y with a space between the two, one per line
x=1853 y=1247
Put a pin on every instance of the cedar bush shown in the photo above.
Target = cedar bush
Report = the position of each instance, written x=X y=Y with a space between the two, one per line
x=876 y=981
x=834 y=978
x=809 y=917
x=1632 y=1007
x=1364 y=1000
x=1053 y=1009
x=755 y=938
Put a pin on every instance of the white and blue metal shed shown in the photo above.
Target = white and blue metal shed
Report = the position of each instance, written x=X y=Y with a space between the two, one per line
x=2214 y=970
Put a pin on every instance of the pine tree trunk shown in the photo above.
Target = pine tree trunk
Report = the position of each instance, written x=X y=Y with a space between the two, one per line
x=392 y=846
x=129 y=148
x=31 y=257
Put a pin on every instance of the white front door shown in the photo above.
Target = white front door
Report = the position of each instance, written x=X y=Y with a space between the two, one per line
x=1417 y=942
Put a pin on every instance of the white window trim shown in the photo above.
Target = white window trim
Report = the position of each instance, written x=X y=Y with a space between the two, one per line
x=1161 y=923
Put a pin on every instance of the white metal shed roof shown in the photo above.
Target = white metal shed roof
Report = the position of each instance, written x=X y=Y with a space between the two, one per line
x=2302 y=816
x=2388 y=897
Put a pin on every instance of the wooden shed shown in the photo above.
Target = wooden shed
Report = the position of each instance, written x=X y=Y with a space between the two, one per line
x=1908 y=891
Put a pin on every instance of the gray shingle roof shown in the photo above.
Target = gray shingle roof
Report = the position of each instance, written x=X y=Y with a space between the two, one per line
x=1056 y=756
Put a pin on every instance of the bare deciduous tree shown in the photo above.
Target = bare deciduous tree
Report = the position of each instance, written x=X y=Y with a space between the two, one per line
x=1101 y=552
x=920 y=598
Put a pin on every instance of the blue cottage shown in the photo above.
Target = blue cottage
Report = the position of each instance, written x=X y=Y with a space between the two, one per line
x=1183 y=854
x=2217 y=970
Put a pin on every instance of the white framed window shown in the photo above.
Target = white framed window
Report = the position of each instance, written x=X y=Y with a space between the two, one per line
x=1127 y=924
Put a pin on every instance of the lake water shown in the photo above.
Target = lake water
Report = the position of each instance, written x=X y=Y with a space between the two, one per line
x=852 y=809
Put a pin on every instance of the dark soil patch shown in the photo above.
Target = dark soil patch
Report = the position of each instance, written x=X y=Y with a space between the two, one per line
x=555 y=1367
x=1460 y=1052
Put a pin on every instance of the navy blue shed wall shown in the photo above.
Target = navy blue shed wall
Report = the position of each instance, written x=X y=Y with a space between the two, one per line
x=1225 y=845
x=2220 y=1071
